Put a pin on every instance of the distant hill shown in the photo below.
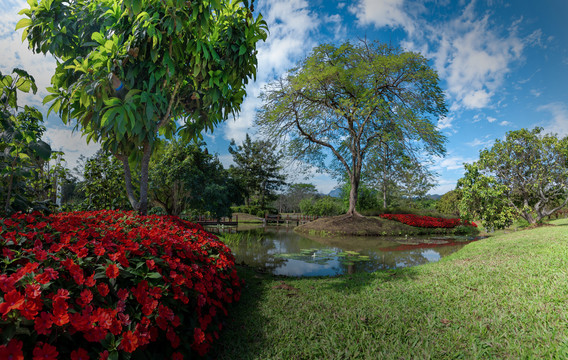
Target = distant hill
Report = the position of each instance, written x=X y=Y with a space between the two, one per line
x=434 y=197
x=336 y=193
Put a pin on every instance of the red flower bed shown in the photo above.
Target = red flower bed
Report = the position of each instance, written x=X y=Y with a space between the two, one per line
x=94 y=285
x=427 y=221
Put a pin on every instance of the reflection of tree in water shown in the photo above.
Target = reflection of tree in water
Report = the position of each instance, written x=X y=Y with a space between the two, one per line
x=255 y=249
x=266 y=247
x=404 y=256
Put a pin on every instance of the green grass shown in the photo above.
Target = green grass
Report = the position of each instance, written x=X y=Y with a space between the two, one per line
x=504 y=297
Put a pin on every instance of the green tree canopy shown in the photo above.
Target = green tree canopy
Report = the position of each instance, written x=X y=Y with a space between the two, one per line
x=102 y=184
x=131 y=70
x=449 y=203
x=258 y=169
x=350 y=98
x=528 y=171
x=289 y=201
x=184 y=177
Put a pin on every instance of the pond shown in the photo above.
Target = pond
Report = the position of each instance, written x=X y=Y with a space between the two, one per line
x=281 y=251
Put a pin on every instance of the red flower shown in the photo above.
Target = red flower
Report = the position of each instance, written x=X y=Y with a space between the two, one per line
x=198 y=336
x=44 y=351
x=129 y=342
x=112 y=271
x=85 y=298
x=103 y=289
x=12 y=300
x=177 y=356
x=12 y=351
x=80 y=354
x=33 y=290
x=43 y=323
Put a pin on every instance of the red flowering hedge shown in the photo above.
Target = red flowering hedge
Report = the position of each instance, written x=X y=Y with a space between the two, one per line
x=109 y=285
x=427 y=221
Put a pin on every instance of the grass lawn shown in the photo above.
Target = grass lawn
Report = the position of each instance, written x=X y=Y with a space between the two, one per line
x=501 y=297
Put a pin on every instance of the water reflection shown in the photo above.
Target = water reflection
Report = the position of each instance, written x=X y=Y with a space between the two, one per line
x=281 y=251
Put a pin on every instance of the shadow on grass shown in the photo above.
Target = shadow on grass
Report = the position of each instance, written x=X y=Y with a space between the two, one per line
x=360 y=282
x=243 y=334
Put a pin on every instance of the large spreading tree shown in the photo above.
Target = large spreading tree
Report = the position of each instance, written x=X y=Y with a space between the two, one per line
x=129 y=71
x=526 y=174
x=350 y=98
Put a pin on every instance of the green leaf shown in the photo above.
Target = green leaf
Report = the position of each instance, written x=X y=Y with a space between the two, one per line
x=242 y=50
x=136 y=6
x=25 y=22
x=41 y=149
x=98 y=37
x=154 y=275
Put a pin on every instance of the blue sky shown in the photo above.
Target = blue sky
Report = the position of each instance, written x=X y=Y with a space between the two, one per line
x=503 y=66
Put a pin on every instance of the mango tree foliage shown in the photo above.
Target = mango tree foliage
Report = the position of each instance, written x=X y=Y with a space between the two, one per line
x=346 y=100
x=530 y=171
x=484 y=198
x=130 y=71
x=21 y=147
x=534 y=169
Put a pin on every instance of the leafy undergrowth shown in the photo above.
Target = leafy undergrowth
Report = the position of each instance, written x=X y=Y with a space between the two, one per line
x=111 y=284
x=503 y=297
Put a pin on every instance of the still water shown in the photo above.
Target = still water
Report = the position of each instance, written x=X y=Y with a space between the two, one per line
x=281 y=251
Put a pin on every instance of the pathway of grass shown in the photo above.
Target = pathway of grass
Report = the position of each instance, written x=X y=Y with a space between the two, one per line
x=502 y=297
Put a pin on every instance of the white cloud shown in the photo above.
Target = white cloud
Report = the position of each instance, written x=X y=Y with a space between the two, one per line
x=226 y=160
x=380 y=13
x=491 y=119
x=471 y=54
x=444 y=185
x=445 y=123
x=504 y=123
x=478 y=99
x=450 y=163
x=536 y=93
x=481 y=142
x=292 y=26
x=559 y=122
x=71 y=143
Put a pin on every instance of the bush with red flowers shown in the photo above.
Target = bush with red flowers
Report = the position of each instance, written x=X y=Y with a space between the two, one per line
x=110 y=285
x=427 y=221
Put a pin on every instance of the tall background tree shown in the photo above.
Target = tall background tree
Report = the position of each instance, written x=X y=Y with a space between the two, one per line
x=131 y=70
x=346 y=100
x=258 y=169
x=102 y=184
x=22 y=152
x=185 y=178
x=289 y=200
x=528 y=174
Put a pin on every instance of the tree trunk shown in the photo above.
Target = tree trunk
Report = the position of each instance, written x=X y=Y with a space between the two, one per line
x=384 y=194
x=128 y=182
x=140 y=205
x=353 y=195
x=143 y=209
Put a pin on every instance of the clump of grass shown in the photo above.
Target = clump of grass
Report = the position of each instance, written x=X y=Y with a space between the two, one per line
x=237 y=238
x=501 y=297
